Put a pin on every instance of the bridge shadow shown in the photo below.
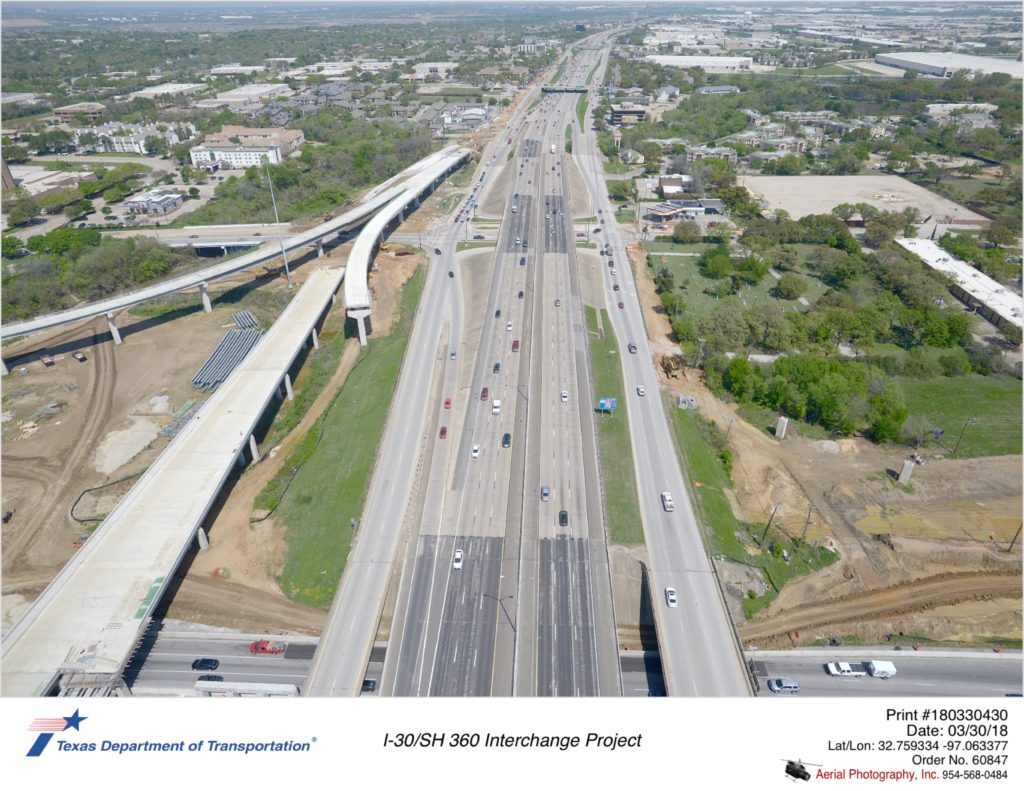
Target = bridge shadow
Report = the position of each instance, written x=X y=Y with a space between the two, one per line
x=649 y=637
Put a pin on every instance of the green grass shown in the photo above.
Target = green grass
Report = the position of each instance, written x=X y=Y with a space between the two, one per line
x=704 y=458
x=328 y=491
x=766 y=420
x=621 y=507
x=568 y=138
x=581 y=107
x=673 y=247
x=626 y=215
x=992 y=403
x=460 y=246
x=615 y=167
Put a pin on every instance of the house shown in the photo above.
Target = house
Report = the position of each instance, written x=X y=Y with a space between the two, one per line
x=674 y=184
x=631 y=157
x=698 y=153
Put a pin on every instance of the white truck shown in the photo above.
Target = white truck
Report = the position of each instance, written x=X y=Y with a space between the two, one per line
x=552 y=148
x=845 y=669
x=878 y=668
x=496 y=406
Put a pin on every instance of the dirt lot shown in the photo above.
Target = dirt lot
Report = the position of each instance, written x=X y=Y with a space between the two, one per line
x=803 y=195
x=949 y=529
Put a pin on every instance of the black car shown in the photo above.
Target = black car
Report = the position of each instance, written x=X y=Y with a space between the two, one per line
x=210 y=677
x=437 y=251
x=497 y=314
x=497 y=368
x=451 y=273
x=369 y=685
x=506 y=440
x=563 y=518
x=520 y=295
x=206 y=664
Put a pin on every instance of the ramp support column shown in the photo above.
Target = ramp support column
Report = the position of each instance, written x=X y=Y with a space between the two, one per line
x=312 y=337
x=254 y=449
x=320 y=249
x=3 y=368
x=288 y=387
x=113 y=329
x=205 y=294
x=201 y=537
x=360 y=317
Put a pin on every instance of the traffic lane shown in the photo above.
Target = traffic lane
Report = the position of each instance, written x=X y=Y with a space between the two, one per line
x=916 y=675
x=641 y=674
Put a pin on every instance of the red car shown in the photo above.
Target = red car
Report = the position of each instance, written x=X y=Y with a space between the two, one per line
x=515 y=346
x=447 y=403
x=444 y=432
x=484 y=393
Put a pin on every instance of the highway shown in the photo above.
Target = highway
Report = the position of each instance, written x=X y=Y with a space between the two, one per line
x=699 y=652
x=213 y=236
x=930 y=672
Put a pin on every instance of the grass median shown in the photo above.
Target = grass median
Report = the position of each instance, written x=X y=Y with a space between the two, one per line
x=335 y=461
x=618 y=475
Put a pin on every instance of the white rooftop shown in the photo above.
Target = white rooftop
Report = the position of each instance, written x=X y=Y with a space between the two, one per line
x=993 y=295
x=956 y=61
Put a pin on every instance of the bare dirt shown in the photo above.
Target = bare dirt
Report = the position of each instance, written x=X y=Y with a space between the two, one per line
x=949 y=530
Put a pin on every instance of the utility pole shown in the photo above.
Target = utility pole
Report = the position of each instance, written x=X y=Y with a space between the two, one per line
x=966 y=424
x=1015 y=537
x=273 y=200
x=775 y=508
x=810 y=510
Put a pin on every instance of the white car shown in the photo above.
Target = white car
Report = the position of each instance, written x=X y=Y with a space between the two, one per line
x=508 y=327
x=565 y=396
x=640 y=391
x=457 y=559
x=475 y=453
x=670 y=597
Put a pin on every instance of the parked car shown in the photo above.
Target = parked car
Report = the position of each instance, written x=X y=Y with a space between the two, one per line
x=78 y=356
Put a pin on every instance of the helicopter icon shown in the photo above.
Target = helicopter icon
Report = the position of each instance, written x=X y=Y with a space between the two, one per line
x=797 y=770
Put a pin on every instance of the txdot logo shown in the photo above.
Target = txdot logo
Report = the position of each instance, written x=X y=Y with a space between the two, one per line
x=50 y=726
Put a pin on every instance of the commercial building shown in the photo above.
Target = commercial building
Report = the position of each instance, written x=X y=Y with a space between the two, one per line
x=946 y=64
x=129 y=138
x=235 y=68
x=698 y=153
x=627 y=114
x=688 y=209
x=37 y=181
x=997 y=304
x=166 y=89
x=161 y=200
x=91 y=110
x=713 y=64
x=246 y=97
x=717 y=90
x=422 y=71
x=242 y=147
x=674 y=184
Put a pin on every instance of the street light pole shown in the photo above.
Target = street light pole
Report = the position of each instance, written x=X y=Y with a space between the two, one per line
x=273 y=200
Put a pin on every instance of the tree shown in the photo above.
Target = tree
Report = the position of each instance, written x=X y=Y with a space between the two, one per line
x=687 y=232
x=887 y=413
x=11 y=246
x=998 y=235
x=77 y=209
x=664 y=280
x=193 y=192
x=790 y=286
x=916 y=430
x=786 y=258
x=725 y=328
x=715 y=262
x=21 y=209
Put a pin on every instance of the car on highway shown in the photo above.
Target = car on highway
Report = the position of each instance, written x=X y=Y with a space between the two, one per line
x=484 y=394
x=844 y=669
x=565 y=396
x=783 y=685
x=478 y=236
x=545 y=493
x=615 y=286
x=515 y=345
x=475 y=452
x=558 y=303
x=506 y=440
x=454 y=354
x=597 y=230
x=621 y=306
x=670 y=597
x=520 y=295
x=631 y=347
x=496 y=369
x=563 y=518
x=497 y=314
x=257 y=234
x=437 y=251
x=640 y=391
x=508 y=327
x=447 y=403
x=667 y=502
x=210 y=677
x=451 y=273
x=601 y=252
x=613 y=272
x=369 y=685
x=193 y=236
x=206 y=664
x=518 y=240
x=457 y=559
x=522 y=261
x=443 y=434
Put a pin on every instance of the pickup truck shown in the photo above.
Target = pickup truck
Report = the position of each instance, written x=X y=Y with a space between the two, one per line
x=267 y=647
x=846 y=669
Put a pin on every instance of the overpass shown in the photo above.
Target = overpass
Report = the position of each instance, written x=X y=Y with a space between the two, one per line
x=420 y=176
x=430 y=172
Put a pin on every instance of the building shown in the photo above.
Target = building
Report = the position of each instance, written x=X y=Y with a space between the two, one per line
x=91 y=110
x=698 y=153
x=946 y=64
x=972 y=114
x=246 y=97
x=713 y=64
x=627 y=114
x=235 y=68
x=240 y=147
x=129 y=138
x=166 y=89
x=687 y=209
x=814 y=117
x=8 y=179
x=422 y=71
x=717 y=90
x=38 y=181
x=18 y=98
x=631 y=157
x=674 y=184
x=161 y=200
